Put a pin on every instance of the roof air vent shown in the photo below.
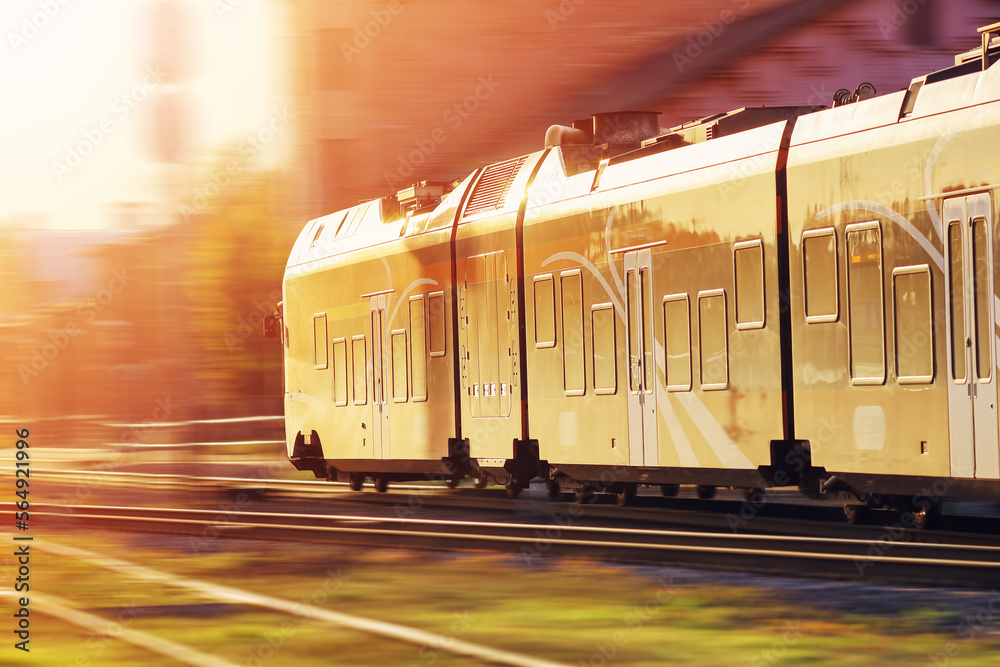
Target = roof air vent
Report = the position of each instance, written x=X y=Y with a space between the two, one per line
x=493 y=186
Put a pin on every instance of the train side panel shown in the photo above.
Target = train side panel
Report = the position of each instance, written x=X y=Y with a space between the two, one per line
x=370 y=359
x=677 y=363
x=490 y=355
x=893 y=275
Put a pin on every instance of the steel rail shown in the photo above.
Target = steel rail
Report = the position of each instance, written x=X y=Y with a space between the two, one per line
x=785 y=515
x=229 y=482
x=642 y=532
x=940 y=563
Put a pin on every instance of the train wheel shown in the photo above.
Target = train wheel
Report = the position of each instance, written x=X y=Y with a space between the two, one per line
x=755 y=496
x=923 y=513
x=513 y=488
x=585 y=495
x=670 y=490
x=554 y=490
x=626 y=494
x=853 y=513
x=453 y=481
x=482 y=482
x=356 y=481
x=706 y=492
x=381 y=483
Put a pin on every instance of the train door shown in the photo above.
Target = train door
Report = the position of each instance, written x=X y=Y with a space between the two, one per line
x=972 y=396
x=641 y=359
x=485 y=312
x=380 y=393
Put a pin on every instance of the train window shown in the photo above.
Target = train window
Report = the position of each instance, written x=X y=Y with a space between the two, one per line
x=545 y=311
x=344 y=229
x=914 y=337
x=340 y=372
x=319 y=341
x=982 y=295
x=340 y=224
x=819 y=271
x=475 y=312
x=631 y=332
x=359 y=216
x=748 y=257
x=646 y=322
x=437 y=317
x=605 y=359
x=319 y=231
x=865 y=309
x=504 y=297
x=677 y=328
x=571 y=291
x=379 y=360
x=418 y=348
x=714 y=339
x=956 y=286
x=359 y=352
x=400 y=375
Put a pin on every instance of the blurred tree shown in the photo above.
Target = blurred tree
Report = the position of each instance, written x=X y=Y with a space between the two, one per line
x=238 y=251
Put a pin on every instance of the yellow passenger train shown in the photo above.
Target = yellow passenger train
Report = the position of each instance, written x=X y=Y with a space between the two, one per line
x=791 y=296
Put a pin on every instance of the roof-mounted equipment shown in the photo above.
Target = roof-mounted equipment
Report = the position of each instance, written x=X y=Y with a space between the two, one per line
x=419 y=195
x=864 y=91
x=988 y=44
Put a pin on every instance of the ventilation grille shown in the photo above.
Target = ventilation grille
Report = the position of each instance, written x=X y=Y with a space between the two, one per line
x=493 y=186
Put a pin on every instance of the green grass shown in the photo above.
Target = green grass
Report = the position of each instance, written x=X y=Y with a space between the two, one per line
x=571 y=612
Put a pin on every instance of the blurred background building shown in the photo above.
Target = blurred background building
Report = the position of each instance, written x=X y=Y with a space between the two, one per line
x=157 y=298
x=393 y=92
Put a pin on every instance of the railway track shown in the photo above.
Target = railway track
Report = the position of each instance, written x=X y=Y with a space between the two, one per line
x=889 y=558
x=782 y=512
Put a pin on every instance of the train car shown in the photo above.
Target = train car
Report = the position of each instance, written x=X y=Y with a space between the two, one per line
x=492 y=388
x=369 y=335
x=766 y=297
x=892 y=213
x=654 y=327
